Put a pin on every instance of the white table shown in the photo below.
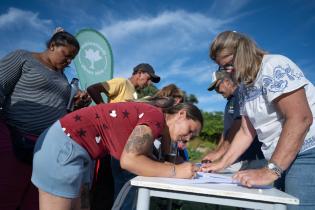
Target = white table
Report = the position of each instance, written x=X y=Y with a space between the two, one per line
x=220 y=194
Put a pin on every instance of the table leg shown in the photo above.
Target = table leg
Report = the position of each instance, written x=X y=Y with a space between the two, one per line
x=169 y=204
x=143 y=202
x=280 y=207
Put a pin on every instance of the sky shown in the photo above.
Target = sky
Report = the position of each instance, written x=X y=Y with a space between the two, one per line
x=172 y=35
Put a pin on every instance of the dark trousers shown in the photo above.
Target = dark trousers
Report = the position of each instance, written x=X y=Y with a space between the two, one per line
x=16 y=189
x=253 y=152
x=102 y=192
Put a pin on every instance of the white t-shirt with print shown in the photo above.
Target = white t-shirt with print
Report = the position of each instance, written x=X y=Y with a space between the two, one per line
x=277 y=75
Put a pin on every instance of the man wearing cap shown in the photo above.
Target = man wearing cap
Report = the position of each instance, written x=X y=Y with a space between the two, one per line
x=222 y=83
x=121 y=89
x=116 y=90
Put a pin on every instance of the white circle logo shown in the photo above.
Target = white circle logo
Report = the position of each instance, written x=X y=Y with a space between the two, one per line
x=93 y=58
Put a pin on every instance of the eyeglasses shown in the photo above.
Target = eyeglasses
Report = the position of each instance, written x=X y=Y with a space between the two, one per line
x=226 y=67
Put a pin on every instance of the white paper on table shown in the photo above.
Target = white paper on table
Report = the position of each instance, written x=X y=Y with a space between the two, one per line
x=231 y=169
x=213 y=178
x=235 y=167
x=203 y=177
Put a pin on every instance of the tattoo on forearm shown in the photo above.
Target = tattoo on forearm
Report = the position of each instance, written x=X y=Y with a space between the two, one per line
x=140 y=140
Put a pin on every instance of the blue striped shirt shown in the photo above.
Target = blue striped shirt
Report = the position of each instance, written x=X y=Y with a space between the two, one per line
x=32 y=95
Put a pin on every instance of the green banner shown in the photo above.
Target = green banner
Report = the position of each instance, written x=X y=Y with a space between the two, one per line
x=94 y=62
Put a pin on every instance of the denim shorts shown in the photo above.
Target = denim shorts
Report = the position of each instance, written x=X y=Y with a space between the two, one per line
x=60 y=165
x=300 y=180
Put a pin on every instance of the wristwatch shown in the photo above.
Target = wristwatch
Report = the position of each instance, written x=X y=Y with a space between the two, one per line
x=274 y=168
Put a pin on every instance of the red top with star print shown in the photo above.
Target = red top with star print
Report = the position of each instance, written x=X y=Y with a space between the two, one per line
x=105 y=128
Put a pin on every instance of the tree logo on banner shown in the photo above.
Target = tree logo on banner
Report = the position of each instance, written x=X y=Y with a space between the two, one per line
x=94 y=62
x=93 y=58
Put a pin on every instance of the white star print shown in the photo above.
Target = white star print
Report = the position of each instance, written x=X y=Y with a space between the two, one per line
x=113 y=113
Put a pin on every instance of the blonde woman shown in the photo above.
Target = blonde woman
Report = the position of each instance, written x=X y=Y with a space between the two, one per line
x=277 y=104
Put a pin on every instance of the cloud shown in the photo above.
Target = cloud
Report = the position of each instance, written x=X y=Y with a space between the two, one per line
x=188 y=70
x=177 y=21
x=226 y=8
x=176 y=43
x=161 y=39
x=174 y=31
x=197 y=72
x=22 y=23
x=17 y=18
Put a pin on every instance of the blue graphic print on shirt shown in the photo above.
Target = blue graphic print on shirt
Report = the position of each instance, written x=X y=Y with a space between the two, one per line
x=278 y=82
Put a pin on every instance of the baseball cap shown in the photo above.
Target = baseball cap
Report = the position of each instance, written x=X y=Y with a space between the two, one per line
x=216 y=76
x=145 y=67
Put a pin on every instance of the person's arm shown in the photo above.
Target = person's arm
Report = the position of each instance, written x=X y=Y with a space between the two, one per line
x=10 y=73
x=241 y=141
x=95 y=91
x=82 y=99
x=135 y=157
x=219 y=151
x=224 y=143
x=298 y=118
